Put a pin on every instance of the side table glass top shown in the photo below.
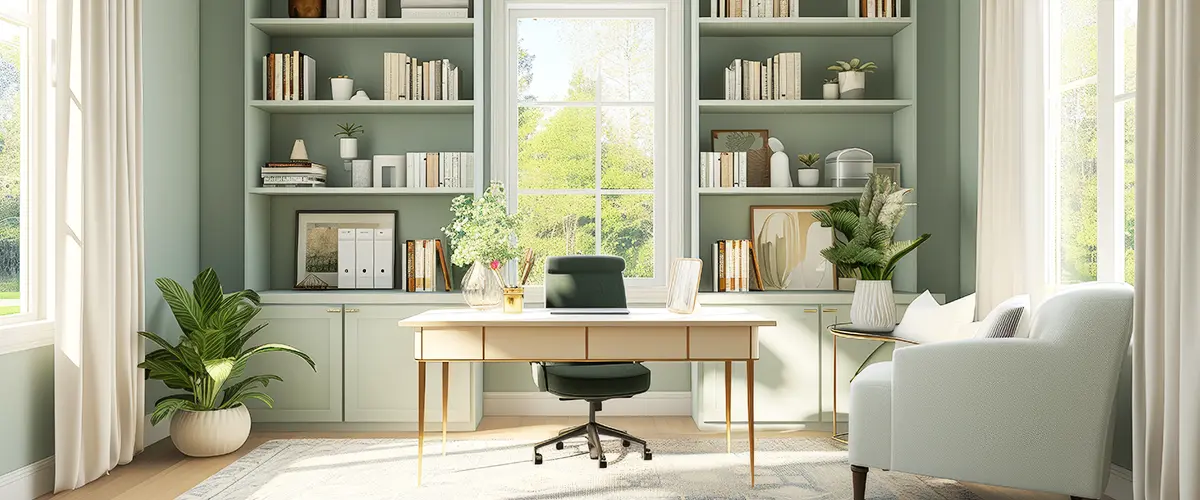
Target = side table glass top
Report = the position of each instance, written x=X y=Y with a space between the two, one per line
x=846 y=330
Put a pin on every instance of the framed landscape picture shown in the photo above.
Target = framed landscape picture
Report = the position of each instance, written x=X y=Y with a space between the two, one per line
x=317 y=238
x=758 y=159
x=789 y=241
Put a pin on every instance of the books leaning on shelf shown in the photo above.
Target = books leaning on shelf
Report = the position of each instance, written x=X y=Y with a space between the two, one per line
x=294 y=173
x=289 y=76
x=406 y=78
x=433 y=9
x=733 y=262
x=421 y=264
x=754 y=8
x=723 y=169
x=874 y=8
x=777 y=78
x=444 y=169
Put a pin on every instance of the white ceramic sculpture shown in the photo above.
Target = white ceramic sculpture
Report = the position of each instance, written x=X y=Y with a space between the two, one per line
x=780 y=174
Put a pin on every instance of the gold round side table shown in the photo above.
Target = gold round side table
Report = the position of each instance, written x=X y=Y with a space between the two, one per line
x=846 y=330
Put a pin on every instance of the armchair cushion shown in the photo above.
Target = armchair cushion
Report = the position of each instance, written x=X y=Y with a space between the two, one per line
x=1005 y=320
x=926 y=321
x=871 y=417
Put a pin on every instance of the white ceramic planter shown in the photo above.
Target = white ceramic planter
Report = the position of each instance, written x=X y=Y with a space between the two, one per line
x=210 y=433
x=808 y=177
x=852 y=84
x=874 y=307
x=342 y=88
x=830 y=91
x=349 y=148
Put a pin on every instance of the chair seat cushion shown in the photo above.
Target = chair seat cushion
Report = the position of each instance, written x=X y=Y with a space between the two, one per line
x=871 y=417
x=597 y=380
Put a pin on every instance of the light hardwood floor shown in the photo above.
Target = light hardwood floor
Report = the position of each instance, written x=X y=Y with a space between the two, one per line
x=163 y=473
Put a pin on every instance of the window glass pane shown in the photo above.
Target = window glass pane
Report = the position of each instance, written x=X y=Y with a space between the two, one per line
x=627 y=230
x=1077 y=189
x=627 y=147
x=556 y=225
x=14 y=8
x=1077 y=31
x=556 y=147
x=625 y=51
x=11 y=142
x=1130 y=208
x=548 y=66
x=1127 y=22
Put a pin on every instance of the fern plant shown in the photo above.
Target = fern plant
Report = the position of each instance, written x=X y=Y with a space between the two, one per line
x=867 y=229
x=212 y=349
x=855 y=64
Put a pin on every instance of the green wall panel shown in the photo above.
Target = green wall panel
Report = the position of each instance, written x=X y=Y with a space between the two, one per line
x=27 y=415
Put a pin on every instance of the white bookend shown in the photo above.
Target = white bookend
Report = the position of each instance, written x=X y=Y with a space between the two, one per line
x=347 y=271
x=345 y=9
x=384 y=248
x=364 y=260
x=331 y=8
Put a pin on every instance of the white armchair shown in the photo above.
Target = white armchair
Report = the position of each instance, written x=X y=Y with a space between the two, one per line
x=1031 y=413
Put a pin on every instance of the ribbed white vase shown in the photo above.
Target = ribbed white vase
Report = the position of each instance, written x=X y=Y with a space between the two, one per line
x=210 y=433
x=873 y=308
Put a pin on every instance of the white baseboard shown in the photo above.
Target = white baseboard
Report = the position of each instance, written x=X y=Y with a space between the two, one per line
x=30 y=481
x=544 y=404
x=1120 y=484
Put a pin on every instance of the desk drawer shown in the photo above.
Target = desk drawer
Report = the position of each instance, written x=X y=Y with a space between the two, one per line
x=719 y=342
x=636 y=344
x=451 y=343
x=537 y=343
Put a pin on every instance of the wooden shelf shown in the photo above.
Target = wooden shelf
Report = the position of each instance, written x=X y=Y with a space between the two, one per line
x=804 y=106
x=366 y=107
x=366 y=28
x=336 y=191
x=769 y=191
x=802 y=26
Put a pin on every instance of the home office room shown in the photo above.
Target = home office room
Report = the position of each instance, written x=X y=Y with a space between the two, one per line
x=517 y=249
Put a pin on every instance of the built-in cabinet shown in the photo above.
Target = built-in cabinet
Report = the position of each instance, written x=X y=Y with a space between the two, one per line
x=303 y=395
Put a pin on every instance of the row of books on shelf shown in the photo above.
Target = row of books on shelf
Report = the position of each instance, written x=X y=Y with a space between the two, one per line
x=874 y=8
x=294 y=173
x=289 y=76
x=421 y=260
x=754 y=8
x=444 y=169
x=733 y=261
x=406 y=78
x=777 y=78
x=723 y=169
x=376 y=9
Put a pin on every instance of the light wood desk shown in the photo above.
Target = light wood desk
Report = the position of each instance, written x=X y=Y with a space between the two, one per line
x=466 y=335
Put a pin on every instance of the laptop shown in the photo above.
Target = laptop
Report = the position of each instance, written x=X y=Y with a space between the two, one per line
x=589 y=310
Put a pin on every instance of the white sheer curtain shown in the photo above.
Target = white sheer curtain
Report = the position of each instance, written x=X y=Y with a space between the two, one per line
x=1166 y=334
x=1013 y=226
x=98 y=390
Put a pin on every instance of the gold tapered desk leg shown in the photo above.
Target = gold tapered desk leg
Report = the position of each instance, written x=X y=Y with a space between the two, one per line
x=750 y=413
x=728 y=406
x=445 y=400
x=420 y=417
x=836 y=436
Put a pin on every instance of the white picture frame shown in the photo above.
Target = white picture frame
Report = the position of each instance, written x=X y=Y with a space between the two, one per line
x=317 y=238
x=684 y=285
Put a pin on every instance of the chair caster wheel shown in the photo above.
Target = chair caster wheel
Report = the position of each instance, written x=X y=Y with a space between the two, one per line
x=625 y=443
x=604 y=464
x=558 y=445
x=537 y=459
x=647 y=455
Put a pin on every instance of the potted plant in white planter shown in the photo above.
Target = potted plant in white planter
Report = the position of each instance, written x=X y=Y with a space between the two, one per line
x=865 y=245
x=342 y=87
x=852 y=77
x=830 y=89
x=808 y=176
x=206 y=421
x=348 y=146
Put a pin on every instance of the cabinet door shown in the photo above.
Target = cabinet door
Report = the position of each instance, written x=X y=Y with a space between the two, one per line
x=381 y=374
x=786 y=375
x=851 y=354
x=303 y=395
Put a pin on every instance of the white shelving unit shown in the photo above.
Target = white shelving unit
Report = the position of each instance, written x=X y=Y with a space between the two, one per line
x=802 y=26
x=345 y=191
x=364 y=28
x=805 y=106
x=769 y=191
x=365 y=107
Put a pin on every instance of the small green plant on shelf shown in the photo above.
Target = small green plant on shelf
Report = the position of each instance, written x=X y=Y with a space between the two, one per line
x=833 y=80
x=809 y=159
x=855 y=65
x=339 y=76
x=349 y=130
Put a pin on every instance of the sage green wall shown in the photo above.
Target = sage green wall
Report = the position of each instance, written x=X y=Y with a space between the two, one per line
x=27 y=415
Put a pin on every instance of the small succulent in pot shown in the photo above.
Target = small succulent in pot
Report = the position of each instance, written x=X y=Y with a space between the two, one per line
x=808 y=159
x=807 y=176
x=830 y=89
x=852 y=77
x=348 y=132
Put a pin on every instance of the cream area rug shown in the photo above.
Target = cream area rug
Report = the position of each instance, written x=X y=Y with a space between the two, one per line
x=369 y=469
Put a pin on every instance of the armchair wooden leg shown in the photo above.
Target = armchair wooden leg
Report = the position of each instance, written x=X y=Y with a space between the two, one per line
x=860 y=481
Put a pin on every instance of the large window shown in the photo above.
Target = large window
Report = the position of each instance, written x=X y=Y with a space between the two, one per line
x=588 y=152
x=17 y=151
x=1092 y=54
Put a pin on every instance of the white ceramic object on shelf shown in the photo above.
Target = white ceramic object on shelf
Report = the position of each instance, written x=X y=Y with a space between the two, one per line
x=342 y=88
x=210 y=433
x=349 y=148
x=361 y=174
x=808 y=177
x=299 y=151
x=874 y=307
x=852 y=84
x=780 y=171
x=388 y=171
x=830 y=91
x=360 y=96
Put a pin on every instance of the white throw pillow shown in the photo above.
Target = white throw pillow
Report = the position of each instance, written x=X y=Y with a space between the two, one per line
x=926 y=321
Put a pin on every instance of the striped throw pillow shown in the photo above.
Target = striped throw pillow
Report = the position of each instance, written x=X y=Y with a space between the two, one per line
x=1005 y=320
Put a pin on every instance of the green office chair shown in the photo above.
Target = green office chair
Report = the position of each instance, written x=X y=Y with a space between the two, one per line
x=589 y=281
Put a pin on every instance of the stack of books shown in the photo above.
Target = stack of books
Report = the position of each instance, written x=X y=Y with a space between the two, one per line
x=733 y=261
x=406 y=78
x=444 y=169
x=433 y=9
x=289 y=76
x=874 y=8
x=293 y=173
x=365 y=9
x=421 y=258
x=754 y=8
x=778 y=78
x=723 y=169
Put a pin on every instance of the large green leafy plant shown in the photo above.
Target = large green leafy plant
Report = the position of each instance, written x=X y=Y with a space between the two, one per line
x=212 y=349
x=483 y=230
x=866 y=230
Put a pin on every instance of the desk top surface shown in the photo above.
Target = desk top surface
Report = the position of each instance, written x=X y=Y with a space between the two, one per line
x=707 y=316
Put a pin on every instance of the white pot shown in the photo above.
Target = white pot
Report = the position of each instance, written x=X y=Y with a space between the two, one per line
x=210 y=433
x=361 y=174
x=342 y=88
x=349 y=148
x=852 y=84
x=830 y=91
x=808 y=177
x=847 y=284
x=873 y=308
x=780 y=175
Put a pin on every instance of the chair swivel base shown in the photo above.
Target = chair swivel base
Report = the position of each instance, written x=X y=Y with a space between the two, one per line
x=592 y=431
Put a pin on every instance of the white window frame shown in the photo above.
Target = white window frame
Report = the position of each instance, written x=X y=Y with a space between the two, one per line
x=669 y=193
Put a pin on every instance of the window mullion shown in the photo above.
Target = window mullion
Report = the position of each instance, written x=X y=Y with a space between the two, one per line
x=1110 y=196
x=598 y=131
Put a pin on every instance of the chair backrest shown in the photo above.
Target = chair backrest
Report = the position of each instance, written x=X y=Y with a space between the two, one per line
x=1096 y=318
x=585 y=281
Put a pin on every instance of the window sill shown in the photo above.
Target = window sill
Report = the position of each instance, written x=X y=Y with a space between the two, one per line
x=25 y=336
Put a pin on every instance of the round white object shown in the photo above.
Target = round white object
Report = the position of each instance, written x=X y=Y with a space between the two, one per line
x=349 y=148
x=342 y=88
x=210 y=433
x=830 y=91
x=360 y=96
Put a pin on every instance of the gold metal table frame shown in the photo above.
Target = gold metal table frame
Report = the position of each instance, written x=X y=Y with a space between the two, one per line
x=844 y=330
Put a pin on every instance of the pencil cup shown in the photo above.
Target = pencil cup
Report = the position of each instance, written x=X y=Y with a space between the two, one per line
x=514 y=300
